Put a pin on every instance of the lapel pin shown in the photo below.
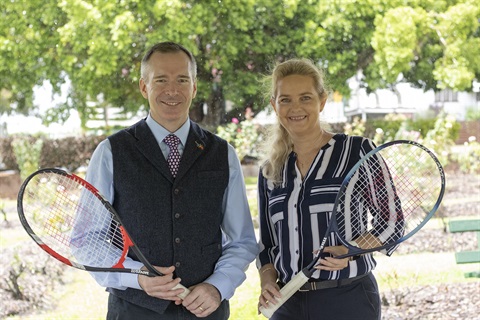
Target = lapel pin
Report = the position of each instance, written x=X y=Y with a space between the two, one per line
x=199 y=145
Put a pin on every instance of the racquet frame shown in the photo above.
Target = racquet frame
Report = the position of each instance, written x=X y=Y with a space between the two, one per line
x=127 y=240
x=304 y=275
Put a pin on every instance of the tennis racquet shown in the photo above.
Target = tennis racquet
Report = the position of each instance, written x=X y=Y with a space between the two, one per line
x=387 y=197
x=69 y=219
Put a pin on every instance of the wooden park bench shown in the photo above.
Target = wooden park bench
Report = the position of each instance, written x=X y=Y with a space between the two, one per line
x=469 y=225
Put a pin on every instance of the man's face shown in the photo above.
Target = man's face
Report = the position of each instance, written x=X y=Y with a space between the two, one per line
x=169 y=86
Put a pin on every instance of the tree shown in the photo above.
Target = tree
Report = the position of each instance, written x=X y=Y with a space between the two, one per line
x=28 y=42
x=97 y=46
x=432 y=45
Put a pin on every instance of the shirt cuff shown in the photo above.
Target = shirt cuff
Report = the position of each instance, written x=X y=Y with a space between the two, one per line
x=130 y=280
x=223 y=284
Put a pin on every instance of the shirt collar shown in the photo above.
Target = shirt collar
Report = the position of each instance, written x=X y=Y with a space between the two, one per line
x=160 y=132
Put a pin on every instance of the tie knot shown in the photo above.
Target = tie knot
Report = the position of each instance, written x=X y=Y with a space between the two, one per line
x=172 y=141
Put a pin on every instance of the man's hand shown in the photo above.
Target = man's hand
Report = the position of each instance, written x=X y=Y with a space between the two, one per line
x=203 y=299
x=161 y=286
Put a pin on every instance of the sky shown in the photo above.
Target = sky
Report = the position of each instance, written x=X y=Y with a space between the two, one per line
x=43 y=99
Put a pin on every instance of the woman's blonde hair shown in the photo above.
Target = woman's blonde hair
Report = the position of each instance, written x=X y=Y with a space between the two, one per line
x=278 y=144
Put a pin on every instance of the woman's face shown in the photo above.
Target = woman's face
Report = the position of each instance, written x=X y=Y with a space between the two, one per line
x=298 y=105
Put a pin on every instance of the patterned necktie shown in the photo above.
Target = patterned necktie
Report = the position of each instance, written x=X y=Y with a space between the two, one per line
x=173 y=159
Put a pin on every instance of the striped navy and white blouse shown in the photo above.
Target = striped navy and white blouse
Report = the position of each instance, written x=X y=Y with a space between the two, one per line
x=293 y=215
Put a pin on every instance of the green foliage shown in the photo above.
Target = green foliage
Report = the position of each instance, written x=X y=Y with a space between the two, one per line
x=27 y=153
x=397 y=126
x=387 y=128
x=356 y=128
x=436 y=134
x=251 y=186
x=396 y=38
x=7 y=157
x=469 y=157
x=473 y=113
x=243 y=136
x=439 y=139
x=431 y=45
x=97 y=47
x=457 y=29
x=71 y=153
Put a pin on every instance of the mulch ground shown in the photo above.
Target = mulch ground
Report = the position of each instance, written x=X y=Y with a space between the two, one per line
x=436 y=301
x=442 y=301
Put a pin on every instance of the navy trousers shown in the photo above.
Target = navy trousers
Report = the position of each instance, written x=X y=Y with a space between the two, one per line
x=119 y=309
x=357 y=301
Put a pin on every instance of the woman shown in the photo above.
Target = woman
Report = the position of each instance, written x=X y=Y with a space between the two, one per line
x=297 y=185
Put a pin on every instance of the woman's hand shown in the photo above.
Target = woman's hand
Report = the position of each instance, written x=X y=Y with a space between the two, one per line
x=332 y=263
x=270 y=289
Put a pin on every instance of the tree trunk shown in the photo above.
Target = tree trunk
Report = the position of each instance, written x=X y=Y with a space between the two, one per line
x=196 y=112
x=216 y=108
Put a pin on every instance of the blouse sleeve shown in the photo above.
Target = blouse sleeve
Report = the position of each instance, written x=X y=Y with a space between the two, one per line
x=384 y=203
x=268 y=242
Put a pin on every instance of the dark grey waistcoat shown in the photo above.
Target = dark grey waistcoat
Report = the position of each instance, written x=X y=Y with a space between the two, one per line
x=172 y=221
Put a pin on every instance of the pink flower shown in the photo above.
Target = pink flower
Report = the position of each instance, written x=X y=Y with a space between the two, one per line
x=235 y=120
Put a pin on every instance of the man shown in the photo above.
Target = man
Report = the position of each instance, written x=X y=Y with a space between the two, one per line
x=191 y=219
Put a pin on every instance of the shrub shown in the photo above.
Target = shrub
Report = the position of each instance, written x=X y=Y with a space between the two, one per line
x=469 y=159
x=27 y=152
x=7 y=157
x=244 y=136
x=356 y=128
x=440 y=139
x=29 y=276
x=71 y=153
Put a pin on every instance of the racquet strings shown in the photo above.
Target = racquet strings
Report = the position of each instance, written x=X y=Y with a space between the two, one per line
x=72 y=220
x=389 y=196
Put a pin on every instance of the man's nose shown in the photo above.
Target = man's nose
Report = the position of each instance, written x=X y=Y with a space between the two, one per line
x=171 y=89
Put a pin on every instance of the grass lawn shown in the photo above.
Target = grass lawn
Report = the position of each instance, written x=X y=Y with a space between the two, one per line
x=82 y=298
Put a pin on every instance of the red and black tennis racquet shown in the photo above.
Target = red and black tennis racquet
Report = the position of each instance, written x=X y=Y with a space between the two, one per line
x=69 y=219
x=387 y=197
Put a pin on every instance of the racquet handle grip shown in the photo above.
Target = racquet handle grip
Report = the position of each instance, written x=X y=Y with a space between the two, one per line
x=184 y=293
x=287 y=291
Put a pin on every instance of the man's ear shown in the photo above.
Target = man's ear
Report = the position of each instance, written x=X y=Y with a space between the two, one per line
x=194 y=89
x=143 y=88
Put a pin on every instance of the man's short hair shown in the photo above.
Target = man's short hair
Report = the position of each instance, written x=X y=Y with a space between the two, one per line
x=168 y=47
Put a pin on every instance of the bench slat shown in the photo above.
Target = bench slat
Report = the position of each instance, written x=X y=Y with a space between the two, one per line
x=467 y=256
x=464 y=225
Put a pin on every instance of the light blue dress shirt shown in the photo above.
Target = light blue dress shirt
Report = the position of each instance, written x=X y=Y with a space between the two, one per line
x=239 y=243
